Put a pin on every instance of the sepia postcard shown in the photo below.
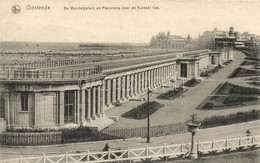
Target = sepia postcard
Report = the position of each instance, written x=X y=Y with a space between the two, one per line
x=129 y=81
